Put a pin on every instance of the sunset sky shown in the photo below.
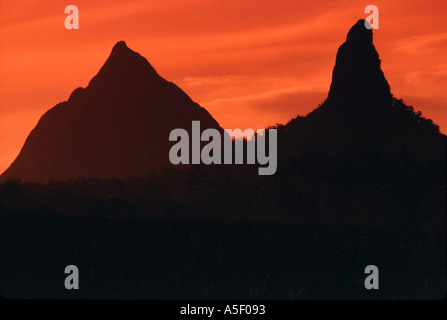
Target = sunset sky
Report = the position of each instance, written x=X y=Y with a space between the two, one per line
x=250 y=63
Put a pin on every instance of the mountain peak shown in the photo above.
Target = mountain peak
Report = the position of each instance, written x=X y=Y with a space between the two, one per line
x=357 y=73
x=121 y=50
x=120 y=45
x=123 y=68
x=359 y=34
x=116 y=127
x=360 y=112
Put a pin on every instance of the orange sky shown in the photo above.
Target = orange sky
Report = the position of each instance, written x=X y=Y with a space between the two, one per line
x=250 y=63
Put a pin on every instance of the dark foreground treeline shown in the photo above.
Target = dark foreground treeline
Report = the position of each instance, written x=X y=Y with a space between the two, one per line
x=363 y=187
x=308 y=231
x=156 y=259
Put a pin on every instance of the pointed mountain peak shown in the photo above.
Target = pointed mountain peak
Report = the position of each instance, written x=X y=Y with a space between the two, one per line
x=359 y=34
x=120 y=45
x=123 y=68
x=357 y=75
x=121 y=51
x=116 y=127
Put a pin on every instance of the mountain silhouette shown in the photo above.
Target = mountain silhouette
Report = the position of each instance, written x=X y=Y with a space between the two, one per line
x=347 y=193
x=360 y=111
x=118 y=126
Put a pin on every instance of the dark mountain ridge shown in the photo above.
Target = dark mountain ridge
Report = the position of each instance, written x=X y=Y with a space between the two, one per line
x=118 y=126
x=360 y=111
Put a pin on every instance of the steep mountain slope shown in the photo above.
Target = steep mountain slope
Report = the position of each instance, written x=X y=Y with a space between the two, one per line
x=360 y=111
x=118 y=126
